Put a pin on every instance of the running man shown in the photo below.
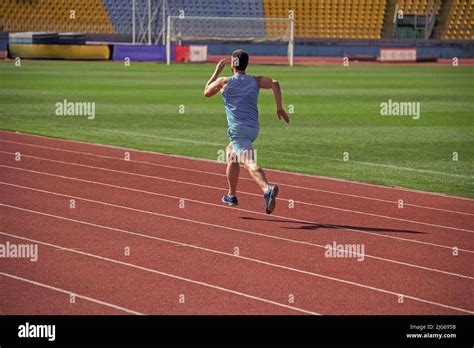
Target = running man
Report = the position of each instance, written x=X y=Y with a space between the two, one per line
x=240 y=94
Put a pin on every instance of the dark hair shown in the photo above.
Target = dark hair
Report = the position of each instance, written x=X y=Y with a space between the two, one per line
x=240 y=59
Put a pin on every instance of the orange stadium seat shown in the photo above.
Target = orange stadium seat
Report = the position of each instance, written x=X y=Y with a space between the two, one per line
x=418 y=7
x=54 y=15
x=460 y=21
x=314 y=18
x=330 y=18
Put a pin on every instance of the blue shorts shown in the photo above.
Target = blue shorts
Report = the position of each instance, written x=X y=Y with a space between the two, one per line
x=242 y=137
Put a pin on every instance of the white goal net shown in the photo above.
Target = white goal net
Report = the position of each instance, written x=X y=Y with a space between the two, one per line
x=228 y=29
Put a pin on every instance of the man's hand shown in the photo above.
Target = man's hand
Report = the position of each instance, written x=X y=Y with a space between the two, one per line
x=215 y=84
x=267 y=83
x=219 y=67
x=283 y=115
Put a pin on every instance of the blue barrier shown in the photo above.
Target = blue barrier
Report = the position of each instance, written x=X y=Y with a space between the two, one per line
x=437 y=49
x=141 y=53
x=3 y=44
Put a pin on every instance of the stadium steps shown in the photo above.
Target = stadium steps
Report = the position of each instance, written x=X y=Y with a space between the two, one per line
x=442 y=18
x=418 y=8
x=388 y=26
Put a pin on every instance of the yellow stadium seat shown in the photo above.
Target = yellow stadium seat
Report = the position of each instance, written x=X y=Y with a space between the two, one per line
x=459 y=22
x=53 y=15
x=331 y=18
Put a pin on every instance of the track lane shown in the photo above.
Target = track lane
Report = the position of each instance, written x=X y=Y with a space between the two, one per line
x=20 y=296
x=307 y=181
x=448 y=288
x=121 y=282
x=300 y=220
x=166 y=202
x=276 y=228
x=304 y=199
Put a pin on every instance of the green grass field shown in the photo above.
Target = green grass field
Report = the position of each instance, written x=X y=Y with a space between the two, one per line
x=336 y=110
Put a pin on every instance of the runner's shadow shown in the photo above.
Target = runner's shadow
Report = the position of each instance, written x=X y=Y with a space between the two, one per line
x=314 y=226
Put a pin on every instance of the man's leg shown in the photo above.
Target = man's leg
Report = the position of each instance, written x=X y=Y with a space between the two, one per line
x=241 y=144
x=257 y=173
x=233 y=170
x=270 y=192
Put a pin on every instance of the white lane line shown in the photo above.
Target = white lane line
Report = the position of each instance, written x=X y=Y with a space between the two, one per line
x=188 y=280
x=441 y=195
x=381 y=187
x=313 y=274
x=246 y=193
x=87 y=298
x=177 y=243
x=296 y=154
x=376 y=165
x=242 y=178
x=224 y=227
x=256 y=213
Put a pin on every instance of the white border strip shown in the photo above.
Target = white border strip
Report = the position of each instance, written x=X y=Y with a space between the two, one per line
x=90 y=299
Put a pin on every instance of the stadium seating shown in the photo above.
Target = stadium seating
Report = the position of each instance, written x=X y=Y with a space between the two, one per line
x=220 y=8
x=418 y=7
x=120 y=14
x=460 y=21
x=331 y=19
x=217 y=8
x=314 y=18
x=54 y=15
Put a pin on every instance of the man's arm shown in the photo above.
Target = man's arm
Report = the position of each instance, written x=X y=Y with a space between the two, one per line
x=215 y=83
x=267 y=83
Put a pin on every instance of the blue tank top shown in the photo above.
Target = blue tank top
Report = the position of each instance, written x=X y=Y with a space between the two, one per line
x=240 y=100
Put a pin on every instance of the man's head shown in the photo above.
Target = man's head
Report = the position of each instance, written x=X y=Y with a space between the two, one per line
x=240 y=60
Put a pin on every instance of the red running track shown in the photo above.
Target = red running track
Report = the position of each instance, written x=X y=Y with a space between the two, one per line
x=149 y=236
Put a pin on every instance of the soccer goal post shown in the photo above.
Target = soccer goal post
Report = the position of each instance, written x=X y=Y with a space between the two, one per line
x=229 y=29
